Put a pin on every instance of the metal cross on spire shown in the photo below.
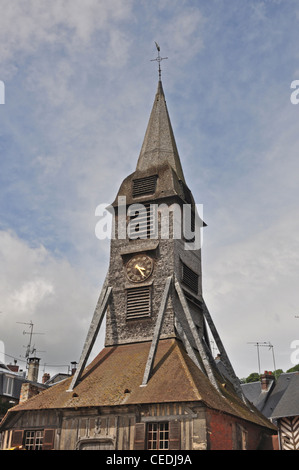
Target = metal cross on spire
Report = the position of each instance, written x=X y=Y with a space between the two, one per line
x=159 y=59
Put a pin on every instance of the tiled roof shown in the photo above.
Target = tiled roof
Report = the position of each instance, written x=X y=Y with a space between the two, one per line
x=280 y=400
x=115 y=375
x=284 y=400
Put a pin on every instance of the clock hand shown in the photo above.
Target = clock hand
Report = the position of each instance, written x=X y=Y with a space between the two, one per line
x=140 y=269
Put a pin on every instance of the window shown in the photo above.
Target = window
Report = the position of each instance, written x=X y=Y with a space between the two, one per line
x=138 y=302
x=33 y=440
x=158 y=436
x=8 y=386
x=241 y=438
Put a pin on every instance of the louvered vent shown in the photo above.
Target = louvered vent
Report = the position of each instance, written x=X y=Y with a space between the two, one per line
x=143 y=186
x=138 y=302
x=190 y=278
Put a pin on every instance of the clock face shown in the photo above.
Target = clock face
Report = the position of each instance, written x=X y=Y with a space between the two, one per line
x=139 y=268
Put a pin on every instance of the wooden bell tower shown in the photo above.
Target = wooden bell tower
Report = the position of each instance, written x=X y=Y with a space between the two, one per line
x=155 y=385
x=153 y=288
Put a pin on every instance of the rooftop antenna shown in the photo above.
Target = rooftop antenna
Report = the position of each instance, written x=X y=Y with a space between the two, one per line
x=159 y=60
x=29 y=350
x=264 y=344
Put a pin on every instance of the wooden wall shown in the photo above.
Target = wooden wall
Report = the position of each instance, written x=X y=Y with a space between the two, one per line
x=113 y=427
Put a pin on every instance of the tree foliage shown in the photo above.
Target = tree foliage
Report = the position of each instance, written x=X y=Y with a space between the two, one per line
x=256 y=377
x=253 y=377
x=294 y=369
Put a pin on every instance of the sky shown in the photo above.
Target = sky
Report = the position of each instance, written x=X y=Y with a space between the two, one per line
x=79 y=86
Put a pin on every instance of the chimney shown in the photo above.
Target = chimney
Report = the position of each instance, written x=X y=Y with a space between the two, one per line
x=33 y=368
x=45 y=378
x=266 y=380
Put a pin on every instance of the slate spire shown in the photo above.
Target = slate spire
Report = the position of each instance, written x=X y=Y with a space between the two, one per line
x=159 y=146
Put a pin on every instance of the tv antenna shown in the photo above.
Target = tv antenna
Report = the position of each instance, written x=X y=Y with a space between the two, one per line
x=159 y=59
x=264 y=344
x=29 y=349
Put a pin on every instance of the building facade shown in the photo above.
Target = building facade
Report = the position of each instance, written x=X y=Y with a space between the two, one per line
x=155 y=385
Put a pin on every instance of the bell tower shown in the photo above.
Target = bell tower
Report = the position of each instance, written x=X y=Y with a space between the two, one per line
x=153 y=288
x=153 y=239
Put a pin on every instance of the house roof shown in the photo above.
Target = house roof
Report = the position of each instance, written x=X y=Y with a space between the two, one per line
x=281 y=400
x=115 y=375
x=253 y=391
x=284 y=400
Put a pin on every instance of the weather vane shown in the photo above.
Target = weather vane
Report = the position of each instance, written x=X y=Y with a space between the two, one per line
x=159 y=59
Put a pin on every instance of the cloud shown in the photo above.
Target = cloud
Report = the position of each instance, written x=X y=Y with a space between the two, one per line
x=25 y=27
x=79 y=89
x=250 y=289
x=30 y=296
x=47 y=290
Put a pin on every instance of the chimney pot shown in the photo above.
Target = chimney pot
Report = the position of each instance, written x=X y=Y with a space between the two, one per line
x=266 y=380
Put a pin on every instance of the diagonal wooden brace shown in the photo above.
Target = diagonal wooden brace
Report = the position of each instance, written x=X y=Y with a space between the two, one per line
x=157 y=332
x=196 y=337
x=224 y=357
x=187 y=344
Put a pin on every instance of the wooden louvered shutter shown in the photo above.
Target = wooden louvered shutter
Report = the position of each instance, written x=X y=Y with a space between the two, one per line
x=48 y=440
x=174 y=435
x=17 y=438
x=143 y=186
x=190 y=278
x=138 y=302
x=139 y=442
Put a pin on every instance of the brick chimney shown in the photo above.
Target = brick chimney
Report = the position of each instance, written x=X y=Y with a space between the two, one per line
x=45 y=378
x=266 y=380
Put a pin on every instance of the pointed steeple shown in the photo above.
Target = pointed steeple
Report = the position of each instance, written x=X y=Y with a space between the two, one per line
x=159 y=146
